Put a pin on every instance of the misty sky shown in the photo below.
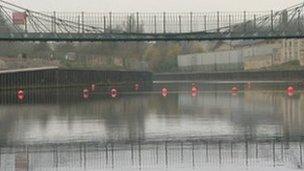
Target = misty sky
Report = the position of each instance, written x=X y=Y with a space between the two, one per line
x=155 y=5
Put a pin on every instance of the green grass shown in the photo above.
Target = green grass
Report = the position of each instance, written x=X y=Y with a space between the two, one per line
x=291 y=65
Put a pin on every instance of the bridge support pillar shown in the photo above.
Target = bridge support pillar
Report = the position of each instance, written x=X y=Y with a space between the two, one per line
x=25 y=26
x=245 y=20
x=130 y=23
x=180 y=23
x=104 y=23
x=271 y=20
x=191 y=22
x=82 y=22
x=110 y=21
x=205 y=22
x=284 y=21
x=164 y=22
x=254 y=22
x=137 y=22
x=54 y=22
x=218 y=21
x=229 y=22
x=299 y=21
x=79 y=24
x=155 y=25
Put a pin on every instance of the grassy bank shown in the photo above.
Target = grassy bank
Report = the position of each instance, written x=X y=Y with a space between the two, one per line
x=291 y=65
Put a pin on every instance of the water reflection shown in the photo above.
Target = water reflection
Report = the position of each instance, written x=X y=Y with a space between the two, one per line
x=147 y=130
x=171 y=155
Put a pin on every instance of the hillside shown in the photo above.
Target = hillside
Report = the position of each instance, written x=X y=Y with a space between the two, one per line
x=8 y=63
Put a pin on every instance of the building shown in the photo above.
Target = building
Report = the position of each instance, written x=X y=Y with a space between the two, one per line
x=293 y=50
x=244 y=55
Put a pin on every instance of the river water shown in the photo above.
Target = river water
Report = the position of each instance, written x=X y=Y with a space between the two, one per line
x=259 y=127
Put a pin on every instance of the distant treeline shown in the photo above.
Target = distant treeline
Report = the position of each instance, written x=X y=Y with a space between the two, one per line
x=160 y=56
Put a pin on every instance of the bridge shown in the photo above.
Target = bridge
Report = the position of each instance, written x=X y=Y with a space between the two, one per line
x=21 y=24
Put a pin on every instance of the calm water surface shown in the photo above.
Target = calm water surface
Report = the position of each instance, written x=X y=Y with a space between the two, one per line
x=258 y=128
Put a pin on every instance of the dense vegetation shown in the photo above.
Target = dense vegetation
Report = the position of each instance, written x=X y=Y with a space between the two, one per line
x=159 y=56
x=291 y=65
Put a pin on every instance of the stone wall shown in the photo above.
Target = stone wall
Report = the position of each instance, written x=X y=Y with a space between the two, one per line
x=301 y=59
x=258 y=62
x=9 y=63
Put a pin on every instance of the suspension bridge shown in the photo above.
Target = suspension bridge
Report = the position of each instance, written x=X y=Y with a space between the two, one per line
x=21 y=24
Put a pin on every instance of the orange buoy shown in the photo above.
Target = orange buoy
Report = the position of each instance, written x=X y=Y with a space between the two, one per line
x=114 y=93
x=194 y=89
x=86 y=93
x=290 y=91
x=20 y=95
x=165 y=92
x=234 y=90
x=136 y=87
x=194 y=93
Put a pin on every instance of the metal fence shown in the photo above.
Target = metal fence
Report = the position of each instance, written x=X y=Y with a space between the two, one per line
x=157 y=22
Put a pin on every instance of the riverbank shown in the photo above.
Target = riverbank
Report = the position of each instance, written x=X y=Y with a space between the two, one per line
x=13 y=63
x=56 y=77
x=287 y=75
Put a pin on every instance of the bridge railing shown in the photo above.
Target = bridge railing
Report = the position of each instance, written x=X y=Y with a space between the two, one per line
x=158 y=22
x=158 y=155
x=288 y=22
x=146 y=22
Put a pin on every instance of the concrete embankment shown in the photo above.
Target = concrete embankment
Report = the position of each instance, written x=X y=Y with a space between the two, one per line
x=12 y=63
x=291 y=75
x=55 y=77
